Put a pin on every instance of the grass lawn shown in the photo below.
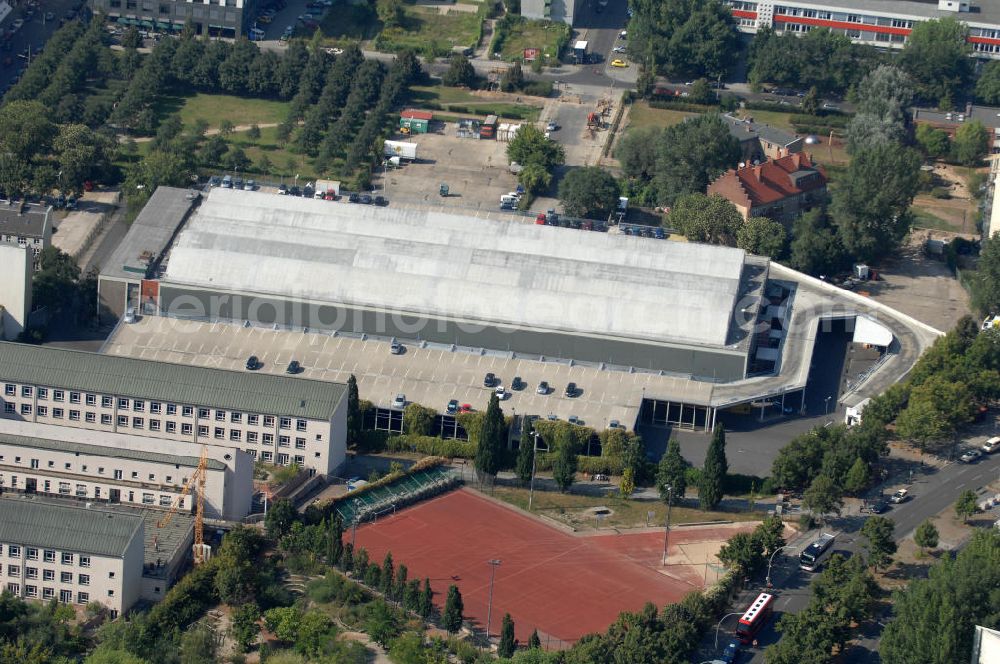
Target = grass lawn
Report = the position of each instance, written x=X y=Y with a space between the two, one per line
x=543 y=35
x=216 y=108
x=926 y=219
x=570 y=509
x=349 y=22
x=468 y=104
x=425 y=28
x=773 y=118
x=642 y=115
x=284 y=162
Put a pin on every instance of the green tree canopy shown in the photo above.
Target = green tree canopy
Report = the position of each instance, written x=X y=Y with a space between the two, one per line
x=453 y=615
x=934 y=619
x=822 y=497
x=966 y=506
x=936 y=57
x=691 y=154
x=926 y=535
x=590 y=192
x=565 y=464
x=871 y=202
x=713 y=474
x=988 y=84
x=686 y=38
x=878 y=530
x=762 y=236
x=489 y=451
x=934 y=142
x=702 y=218
x=460 y=72
x=507 y=642
x=972 y=142
x=671 y=472
x=530 y=146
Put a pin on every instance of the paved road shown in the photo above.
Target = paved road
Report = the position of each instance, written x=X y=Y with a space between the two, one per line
x=932 y=491
x=35 y=32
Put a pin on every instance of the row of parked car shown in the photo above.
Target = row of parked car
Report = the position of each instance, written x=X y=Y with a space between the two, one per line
x=491 y=380
x=552 y=218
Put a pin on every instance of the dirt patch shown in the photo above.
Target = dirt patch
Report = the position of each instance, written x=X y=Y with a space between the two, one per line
x=920 y=286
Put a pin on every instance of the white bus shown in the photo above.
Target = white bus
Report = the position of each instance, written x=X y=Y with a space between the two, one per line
x=812 y=556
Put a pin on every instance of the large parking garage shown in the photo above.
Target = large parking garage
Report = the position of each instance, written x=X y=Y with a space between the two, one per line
x=429 y=376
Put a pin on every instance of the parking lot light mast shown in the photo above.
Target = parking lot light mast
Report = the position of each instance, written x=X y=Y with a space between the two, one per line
x=666 y=531
x=489 y=606
x=770 y=561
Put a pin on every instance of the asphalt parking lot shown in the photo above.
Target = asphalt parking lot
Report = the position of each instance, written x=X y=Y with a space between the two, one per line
x=475 y=171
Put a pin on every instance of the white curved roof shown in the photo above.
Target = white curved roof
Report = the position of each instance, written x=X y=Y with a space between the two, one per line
x=456 y=266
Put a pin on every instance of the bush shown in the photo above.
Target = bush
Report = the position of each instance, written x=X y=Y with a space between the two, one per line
x=538 y=88
x=372 y=441
x=940 y=192
x=736 y=484
x=667 y=103
x=432 y=446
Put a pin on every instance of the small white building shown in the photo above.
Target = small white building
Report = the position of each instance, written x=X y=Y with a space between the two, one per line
x=16 y=268
x=72 y=554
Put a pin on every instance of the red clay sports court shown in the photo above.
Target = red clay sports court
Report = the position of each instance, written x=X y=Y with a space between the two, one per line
x=563 y=585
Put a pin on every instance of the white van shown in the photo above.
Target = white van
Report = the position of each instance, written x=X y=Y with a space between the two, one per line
x=992 y=445
x=507 y=198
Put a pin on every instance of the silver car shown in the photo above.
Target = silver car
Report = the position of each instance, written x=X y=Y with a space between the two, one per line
x=399 y=401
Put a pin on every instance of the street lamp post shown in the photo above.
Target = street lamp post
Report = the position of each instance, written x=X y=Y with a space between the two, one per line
x=719 y=625
x=826 y=401
x=489 y=606
x=770 y=561
x=666 y=531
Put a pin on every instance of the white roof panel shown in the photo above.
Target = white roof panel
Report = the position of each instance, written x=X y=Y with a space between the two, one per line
x=437 y=264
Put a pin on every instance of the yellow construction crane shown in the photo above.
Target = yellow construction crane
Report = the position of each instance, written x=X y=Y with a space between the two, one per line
x=202 y=552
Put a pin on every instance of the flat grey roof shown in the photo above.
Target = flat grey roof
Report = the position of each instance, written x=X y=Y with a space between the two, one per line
x=67 y=528
x=150 y=233
x=743 y=130
x=430 y=264
x=97 y=450
x=31 y=222
x=162 y=381
x=988 y=115
x=982 y=11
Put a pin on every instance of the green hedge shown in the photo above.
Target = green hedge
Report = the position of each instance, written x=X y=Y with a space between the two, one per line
x=432 y=446
x=664 y=104
x=372 y=441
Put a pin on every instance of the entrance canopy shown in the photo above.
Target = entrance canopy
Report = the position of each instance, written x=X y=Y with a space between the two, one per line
x=868 y=331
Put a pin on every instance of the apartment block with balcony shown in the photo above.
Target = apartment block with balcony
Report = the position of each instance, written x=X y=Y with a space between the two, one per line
x=880 y=23
x=71 y=554
x=278 y=419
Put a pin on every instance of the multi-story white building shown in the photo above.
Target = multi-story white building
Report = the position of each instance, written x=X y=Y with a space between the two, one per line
x=26 y=225
x=560 y=11
x=278 y=419
x=218 y=18
x=112 y=468
x=16 y=265
x=883 y=23
x=72 y=554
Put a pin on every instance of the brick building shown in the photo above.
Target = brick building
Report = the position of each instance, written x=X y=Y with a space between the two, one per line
x=781 y=189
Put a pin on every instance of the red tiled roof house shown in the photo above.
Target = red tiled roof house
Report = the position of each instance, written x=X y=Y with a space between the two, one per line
x=781 y=189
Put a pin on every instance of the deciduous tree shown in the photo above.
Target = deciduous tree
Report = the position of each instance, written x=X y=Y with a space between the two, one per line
x=702 y=218
x=761 y=236
x=926 y=535
x=823 y=497
x=589 y=192
x=936 y=57
x=966 y=506
x=878 y=530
